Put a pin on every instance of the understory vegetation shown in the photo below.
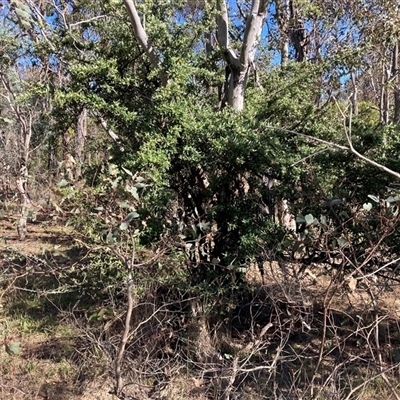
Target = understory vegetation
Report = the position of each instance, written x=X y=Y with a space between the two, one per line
x=199 y=200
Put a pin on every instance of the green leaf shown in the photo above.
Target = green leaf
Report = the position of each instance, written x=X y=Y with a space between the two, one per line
x=140 y=185
x=13 y=349
x=110 y=238
x=25 y=8
x=123 y=204
x=62 y=183
x=131 y=216
x=392 y=199
x=133 y=191
x=23 y=13
x=25 y=24
x=125 y=223
x=335 y=202
x=127 y=171
x=309 y=218
x=124 y=226
x=367 y=206
x=114 y=183
x=300 y=219
x=373 y=198
x=341 y=242
x=204 y=226
x=113 y=169
x=93 y=317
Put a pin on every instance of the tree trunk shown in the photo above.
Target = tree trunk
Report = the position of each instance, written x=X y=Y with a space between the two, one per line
x=297 y=33
x=80 y=136
x=239 y=65
x=396 y=77
x=354 y=95
x=25 y=203
x=69 y=160
x=283 y=18
x=237 y=87
x=144 y=41
x=384 y=100
x=26 y=135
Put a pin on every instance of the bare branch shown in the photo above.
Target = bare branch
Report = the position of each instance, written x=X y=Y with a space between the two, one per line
x=365 y=382
x=379 y=269
x=223 y=34
x=87 y=20
x=308 y=137
x=339 y=146
x=143 y=39
x=109 y=131
x=347 y=131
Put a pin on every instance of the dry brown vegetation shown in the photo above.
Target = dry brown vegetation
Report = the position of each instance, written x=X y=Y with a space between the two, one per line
x=309 y=335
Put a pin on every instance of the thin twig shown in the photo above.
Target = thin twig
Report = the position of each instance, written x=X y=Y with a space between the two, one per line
x=367 y=381
x=347 y=131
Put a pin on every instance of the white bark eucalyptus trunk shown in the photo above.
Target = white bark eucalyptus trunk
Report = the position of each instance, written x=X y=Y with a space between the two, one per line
x=22 y=180
x=79 y=145
x=396 y=78
x=239 y=64
x=144 y=41
x=24 y=142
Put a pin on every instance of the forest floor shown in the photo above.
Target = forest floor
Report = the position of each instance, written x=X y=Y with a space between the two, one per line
x=47 y=366
x=43 y=356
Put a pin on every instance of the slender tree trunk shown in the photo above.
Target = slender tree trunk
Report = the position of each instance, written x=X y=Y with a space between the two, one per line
x=396 y=77
x=144 y=41
x=80 y=136
x=297 y=33
x=384 y=100
x=25 y=202
x=209 y=50
x=354 y=96
x=22 y=180
x=283 y=19
x=69 y=160
x=238 y=64
x=24 y=142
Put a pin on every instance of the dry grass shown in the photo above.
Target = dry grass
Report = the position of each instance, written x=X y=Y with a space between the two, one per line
x=322 y=339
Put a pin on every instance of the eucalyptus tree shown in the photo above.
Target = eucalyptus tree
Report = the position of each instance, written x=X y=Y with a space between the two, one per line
x=24 y=95
x=239 y=57
x=51 y=36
